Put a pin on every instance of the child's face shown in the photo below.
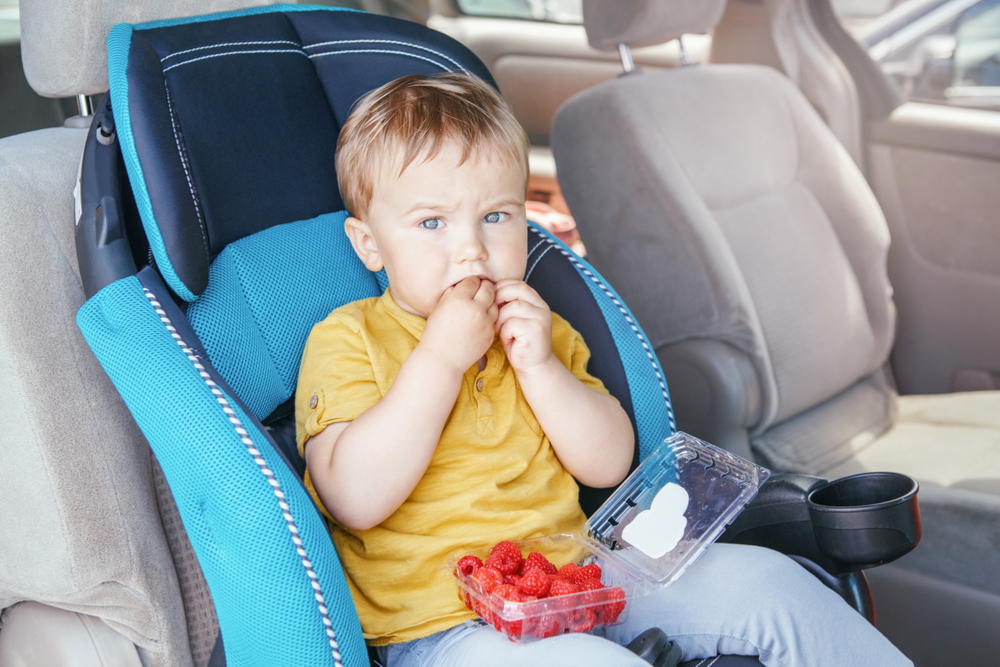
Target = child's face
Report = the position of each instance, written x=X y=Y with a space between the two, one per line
x=441 y=222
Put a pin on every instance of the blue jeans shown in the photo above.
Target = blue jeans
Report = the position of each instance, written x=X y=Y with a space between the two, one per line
x=736 y=600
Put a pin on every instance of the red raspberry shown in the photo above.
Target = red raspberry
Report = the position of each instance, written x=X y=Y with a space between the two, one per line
x=592 y=571
x=589 y=586
x=548 y=625
x=498 y=596
x=614 y=607
x=512 y=579
x=567 y=570
x=488 y=578
x=467 y=565
x=583 y=621
x=507 y=551
x=497 y=563
x=537 y=560
x=535 y=582
x=563 y=587
x=506 y=592
x=513 y=629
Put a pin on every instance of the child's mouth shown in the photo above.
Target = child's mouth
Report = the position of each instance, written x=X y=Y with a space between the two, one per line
x=482 y=278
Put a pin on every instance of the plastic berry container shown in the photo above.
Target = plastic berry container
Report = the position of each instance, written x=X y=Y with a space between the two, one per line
x=536 y=619
x=672 y=507
x=657 y=523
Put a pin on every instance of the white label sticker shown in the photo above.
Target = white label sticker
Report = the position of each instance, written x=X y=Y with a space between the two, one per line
x=656 y=531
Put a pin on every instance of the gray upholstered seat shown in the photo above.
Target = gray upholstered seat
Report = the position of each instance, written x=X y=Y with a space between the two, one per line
x=753 y=252
x=88 y=526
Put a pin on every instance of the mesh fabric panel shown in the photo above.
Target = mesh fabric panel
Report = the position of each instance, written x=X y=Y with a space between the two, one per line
x=268 y=611
x=265 y=292
x=654 y=415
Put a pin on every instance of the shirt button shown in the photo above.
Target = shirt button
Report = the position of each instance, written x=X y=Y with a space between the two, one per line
x=313 y=401
x=479 y=384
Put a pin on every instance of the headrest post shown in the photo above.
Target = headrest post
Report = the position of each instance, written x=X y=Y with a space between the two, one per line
x=85 y=104
x=685 y=59
x=626 y=54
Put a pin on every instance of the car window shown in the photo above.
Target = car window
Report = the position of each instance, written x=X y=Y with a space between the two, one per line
x=941 y=51
x=553 y=11
x=10 y=28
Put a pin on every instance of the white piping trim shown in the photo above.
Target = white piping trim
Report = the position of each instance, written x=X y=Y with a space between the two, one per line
x=262 y=464
x=222 y=44
x=536 y=246
x=386 y=41
x=397 y=53
x=649 y=353
x=182 y=154
x=233 y=53
x=535 y=263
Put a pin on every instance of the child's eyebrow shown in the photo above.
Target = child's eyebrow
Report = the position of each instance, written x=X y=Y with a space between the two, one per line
x=506 y=202
x=441 y=206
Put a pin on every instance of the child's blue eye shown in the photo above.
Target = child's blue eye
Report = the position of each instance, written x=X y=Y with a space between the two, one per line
x=495 y=216
x=431 y=223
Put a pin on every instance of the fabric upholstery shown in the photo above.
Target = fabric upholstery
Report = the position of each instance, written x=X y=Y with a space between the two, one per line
x=63 y=41
x=646 y=22
x=818 y=72
x=96 y=548
x=746 y=247
x=265 y=557
x=199 y=611
x=721 y=208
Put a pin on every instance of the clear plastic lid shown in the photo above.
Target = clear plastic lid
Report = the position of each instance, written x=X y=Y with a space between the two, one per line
x=675 y=504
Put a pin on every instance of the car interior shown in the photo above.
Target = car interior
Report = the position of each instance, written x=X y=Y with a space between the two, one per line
x=810 y=256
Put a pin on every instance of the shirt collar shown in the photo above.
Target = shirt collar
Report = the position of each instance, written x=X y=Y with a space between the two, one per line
x=414 y=324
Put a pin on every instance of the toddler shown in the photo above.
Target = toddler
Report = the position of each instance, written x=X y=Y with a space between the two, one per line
x=456 y=410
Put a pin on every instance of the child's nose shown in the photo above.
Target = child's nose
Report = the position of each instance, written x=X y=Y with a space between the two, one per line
x=471 y=247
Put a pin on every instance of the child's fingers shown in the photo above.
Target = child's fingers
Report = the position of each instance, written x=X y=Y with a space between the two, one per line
x=521 y=310
x=485 y=293
x=517 y=290
x=519 y=329
x=467 y=287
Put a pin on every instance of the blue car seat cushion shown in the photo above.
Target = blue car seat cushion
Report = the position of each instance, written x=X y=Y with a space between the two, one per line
x=264 y=294
x=186 y=94
x=276 y=582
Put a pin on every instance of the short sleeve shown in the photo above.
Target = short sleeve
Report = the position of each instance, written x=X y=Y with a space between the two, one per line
x=570 y=348
x=336 y=379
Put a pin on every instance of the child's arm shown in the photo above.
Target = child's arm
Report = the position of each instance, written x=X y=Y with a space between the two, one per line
x=363 y=470
x=589 y=431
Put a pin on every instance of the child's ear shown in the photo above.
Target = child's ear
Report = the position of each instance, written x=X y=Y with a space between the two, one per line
x=364 y=243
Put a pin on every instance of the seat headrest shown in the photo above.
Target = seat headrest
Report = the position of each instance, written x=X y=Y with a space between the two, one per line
x=63 y=42
x=228 y=123
x=646 y=22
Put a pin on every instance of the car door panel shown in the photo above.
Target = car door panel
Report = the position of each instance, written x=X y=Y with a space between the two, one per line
x=935 y=171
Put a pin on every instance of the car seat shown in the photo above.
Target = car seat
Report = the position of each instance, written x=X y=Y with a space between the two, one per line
x=753 y=252
x=239 y=259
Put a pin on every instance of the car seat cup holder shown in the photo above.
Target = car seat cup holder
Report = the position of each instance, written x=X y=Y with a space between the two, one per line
x=866 y=519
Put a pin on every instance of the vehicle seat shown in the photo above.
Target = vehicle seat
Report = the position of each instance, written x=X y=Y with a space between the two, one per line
x=87 y=544
x=753 y=253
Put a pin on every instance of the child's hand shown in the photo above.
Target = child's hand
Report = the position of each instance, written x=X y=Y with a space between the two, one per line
x=524 y=324
x=460 y=329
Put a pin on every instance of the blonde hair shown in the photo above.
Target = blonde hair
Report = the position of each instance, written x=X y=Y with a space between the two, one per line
x=414 y=117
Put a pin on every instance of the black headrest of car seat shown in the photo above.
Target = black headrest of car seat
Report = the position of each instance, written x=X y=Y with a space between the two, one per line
x=228 y=122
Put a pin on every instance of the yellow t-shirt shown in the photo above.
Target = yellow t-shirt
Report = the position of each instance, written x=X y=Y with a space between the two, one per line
x=493 y=476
